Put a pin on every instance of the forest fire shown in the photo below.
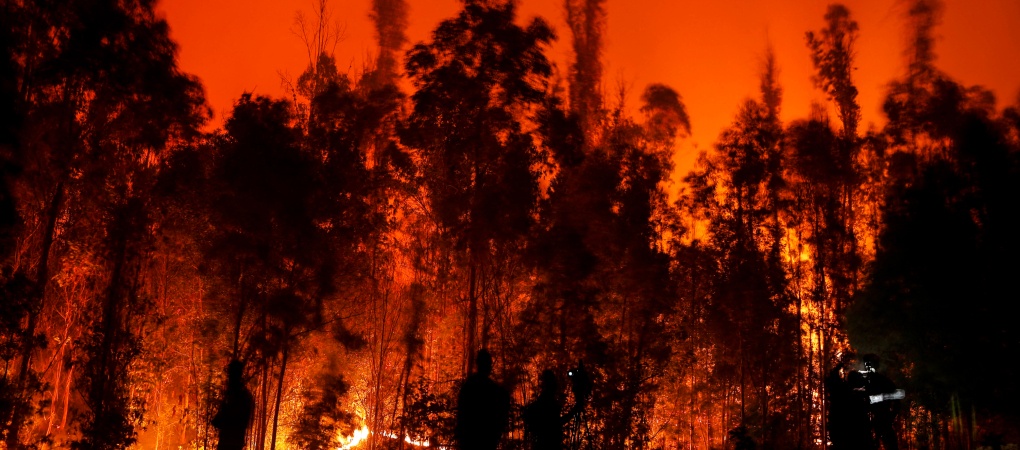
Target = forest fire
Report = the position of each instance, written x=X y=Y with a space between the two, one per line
x=467 y=243
x=408 y=440
x=362 y=434
x=355 y=439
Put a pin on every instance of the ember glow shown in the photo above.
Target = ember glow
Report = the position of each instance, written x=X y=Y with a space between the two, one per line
x=362 y=434
x=355 y=439
x=578 y=224
x=407 y=439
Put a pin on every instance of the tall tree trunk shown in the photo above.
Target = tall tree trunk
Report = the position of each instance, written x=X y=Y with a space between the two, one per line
x=67 y=397
x=242 y=299
x=279 y=395
x=472 y=313
x=28 y=346
x=381 y=305
x=263 y=409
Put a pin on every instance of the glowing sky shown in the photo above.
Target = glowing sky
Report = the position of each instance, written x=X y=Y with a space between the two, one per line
x=710 y=51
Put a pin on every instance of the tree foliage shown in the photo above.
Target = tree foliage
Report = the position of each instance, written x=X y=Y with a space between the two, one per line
x=354 y=245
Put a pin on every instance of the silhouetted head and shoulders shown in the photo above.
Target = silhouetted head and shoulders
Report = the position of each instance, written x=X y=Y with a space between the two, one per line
x=483 y=408
x=548 y=386
x=483 y=366
x=884 y=403
x=580 y=386
x=235 y=411
x=847 y=412
x=877 y=382
x=542 y=417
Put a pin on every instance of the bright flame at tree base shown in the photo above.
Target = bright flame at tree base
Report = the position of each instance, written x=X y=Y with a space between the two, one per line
x=359 y=435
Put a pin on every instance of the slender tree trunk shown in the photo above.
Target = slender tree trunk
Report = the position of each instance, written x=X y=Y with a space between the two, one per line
x=208 y=411
x=57 y=377
x=802 y=430
x=13 y=440
x=743 y=380
x=159 y=412
x=67 y=397
x=235 y=348
x=263 y=425
x=110 y=325
x=472 y=312
x=55 y=396
x=765 y=439
x=489 y=294
x=279 y=395
x=380 y=363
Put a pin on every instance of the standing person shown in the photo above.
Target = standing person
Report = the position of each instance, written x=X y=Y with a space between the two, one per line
x=847 y=418
x=483 y=408
x=542 y=419
x=837 y=396
x=234 y=414
x=884 y=403
x=581 y=386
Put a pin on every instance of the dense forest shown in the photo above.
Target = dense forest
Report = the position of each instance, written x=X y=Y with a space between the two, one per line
x=357 y=242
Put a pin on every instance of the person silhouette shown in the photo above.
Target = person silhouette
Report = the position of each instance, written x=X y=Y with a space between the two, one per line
x=483 y=408
x=235 y=411
x=847 y=414
x=884 y=404
x=542 y=420
x=837 y=396
x=581 y=386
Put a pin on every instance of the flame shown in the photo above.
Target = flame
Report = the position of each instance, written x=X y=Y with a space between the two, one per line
x=407 y=439
x=359 y=436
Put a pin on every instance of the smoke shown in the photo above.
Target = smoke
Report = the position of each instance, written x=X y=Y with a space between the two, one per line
x=771 y=91
x=923 y=17
x=390 y=19
x=587 y=21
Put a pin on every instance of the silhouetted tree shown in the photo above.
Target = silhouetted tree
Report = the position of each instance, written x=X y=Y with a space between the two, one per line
x=747 y=314
x=942 y=263
x=102 y=100
x=270 y=198
x=353 y=123
x=356 y=247
x=832 y=51
x=478 y=81
x=600 y=263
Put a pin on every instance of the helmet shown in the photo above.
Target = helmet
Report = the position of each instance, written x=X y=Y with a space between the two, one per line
x=871 y=362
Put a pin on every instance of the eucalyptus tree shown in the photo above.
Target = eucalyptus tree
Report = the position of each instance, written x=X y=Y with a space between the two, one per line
x=830 y=204
x=102 y=101
x=944 y=253
x=479 y=82
x=835 y=243
x=602 y=290
x=942 y=264
x=747 y=314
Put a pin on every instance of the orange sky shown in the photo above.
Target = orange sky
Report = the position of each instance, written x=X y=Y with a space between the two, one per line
x=708 y=50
